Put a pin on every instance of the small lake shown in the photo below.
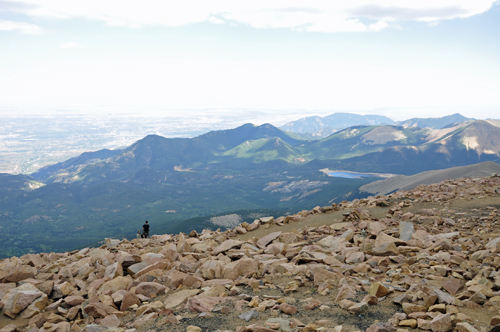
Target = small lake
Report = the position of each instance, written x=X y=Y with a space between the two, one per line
x=348 y=175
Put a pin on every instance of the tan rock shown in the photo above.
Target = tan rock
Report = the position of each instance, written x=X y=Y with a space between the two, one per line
x=321 y=275
x=55 y=318
x=376 y=227
x=441 y=323
x=370 y=299
x=227 y=245
x=110 y=321
x=332 y=243
x=114 y=270
x=386 y=249
x=465 y=327
x=358 y=308
x=115 y=284
x=253 y=226
x=438 y=308
x=355 y=257
x=345 y=292
x=158 y=265
x=264 y=241
x=4 y=288
x=10 y=299
x=212 y=269
x=178 y=298
x=9 y=328
x=23 y=299
x=192 y=328
x=424 y=324
x=412 y=307
x=377 y=289
x=134 y=268
x=381 y=327
x=62 y=290
x=72 y=313
x=241 y=267
x=408 y=323
x=346 y=304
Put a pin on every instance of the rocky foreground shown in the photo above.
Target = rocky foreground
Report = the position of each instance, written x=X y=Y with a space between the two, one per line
x=426 y=259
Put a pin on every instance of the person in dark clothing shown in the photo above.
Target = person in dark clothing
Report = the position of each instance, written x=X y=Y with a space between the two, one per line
x=145 y=230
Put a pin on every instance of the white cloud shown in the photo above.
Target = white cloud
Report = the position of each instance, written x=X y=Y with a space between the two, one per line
x=70 y=45
x=215 y=20
x=313 y=15
x=20 y=27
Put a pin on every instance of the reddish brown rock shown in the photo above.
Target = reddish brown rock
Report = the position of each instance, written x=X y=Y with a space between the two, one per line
x=452 y=285
x=73 y=300
x=312 y=304
x=288 y=308
x=204 y=304
x=149 y=289
x=495 y=320
x=99 y=310
x=18 y=276
x=37 y=320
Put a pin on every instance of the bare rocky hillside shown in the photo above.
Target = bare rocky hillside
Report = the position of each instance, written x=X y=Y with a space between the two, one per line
x=425 y=259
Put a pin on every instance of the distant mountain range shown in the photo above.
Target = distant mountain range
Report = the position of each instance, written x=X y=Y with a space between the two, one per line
x=434 y=123
x=316 y=127
x=249 y=168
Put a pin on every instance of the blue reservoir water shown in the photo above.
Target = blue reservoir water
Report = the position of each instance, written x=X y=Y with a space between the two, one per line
x=348 y=175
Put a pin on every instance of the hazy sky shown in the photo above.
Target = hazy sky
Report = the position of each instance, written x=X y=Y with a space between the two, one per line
x=401 y=58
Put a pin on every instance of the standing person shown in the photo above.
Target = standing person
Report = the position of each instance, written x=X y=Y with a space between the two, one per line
x=145 y=230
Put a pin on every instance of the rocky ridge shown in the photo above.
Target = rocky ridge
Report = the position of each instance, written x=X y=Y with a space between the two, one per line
x=425 y=259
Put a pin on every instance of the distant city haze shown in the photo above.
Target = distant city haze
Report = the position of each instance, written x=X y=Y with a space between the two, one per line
x=31 y=141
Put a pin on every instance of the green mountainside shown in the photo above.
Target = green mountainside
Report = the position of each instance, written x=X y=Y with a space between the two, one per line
x=170 y=181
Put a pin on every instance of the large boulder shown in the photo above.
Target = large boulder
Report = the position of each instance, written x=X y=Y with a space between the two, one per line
x=226 y=245
x=242 y=267
x=264 y=241
x=115 y=284
x=25 y=300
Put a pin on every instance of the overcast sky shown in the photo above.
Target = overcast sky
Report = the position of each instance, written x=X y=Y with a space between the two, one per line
x=402 y=58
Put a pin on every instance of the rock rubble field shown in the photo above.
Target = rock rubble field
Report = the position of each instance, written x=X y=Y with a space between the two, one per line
x=425 y=259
